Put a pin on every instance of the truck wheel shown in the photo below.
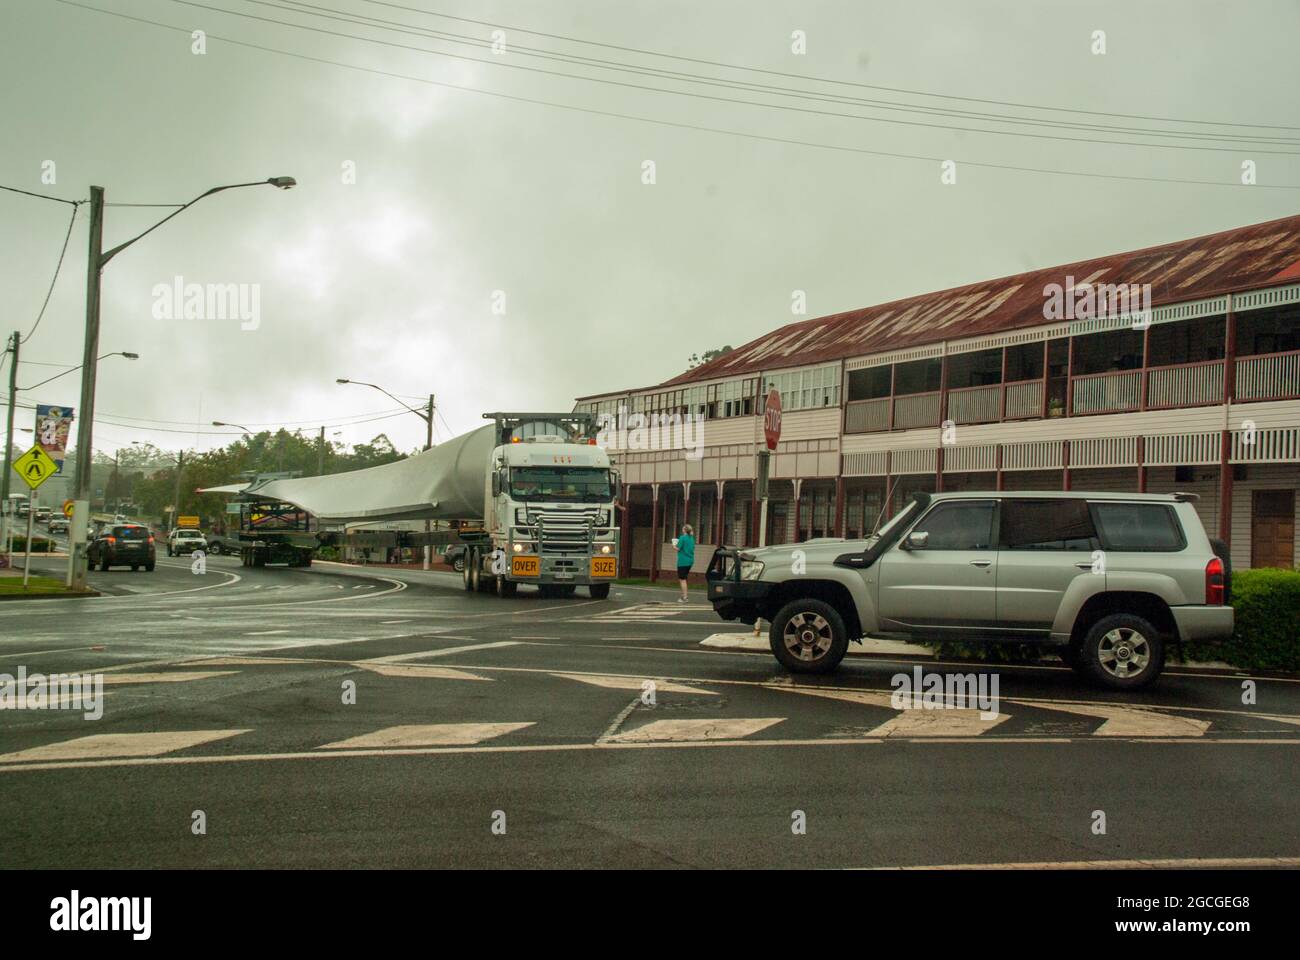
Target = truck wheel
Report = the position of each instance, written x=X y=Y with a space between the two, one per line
x=599 y=591
x=808 y=636
x=506 y=588
x=1123 y=652
x=464 y=574
x=475 y=573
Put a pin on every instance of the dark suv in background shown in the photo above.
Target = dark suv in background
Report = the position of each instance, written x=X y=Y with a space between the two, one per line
x=121 y=545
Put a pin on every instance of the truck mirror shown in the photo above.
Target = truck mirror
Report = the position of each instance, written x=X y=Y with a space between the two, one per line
x=496 y=484
x=916 y=540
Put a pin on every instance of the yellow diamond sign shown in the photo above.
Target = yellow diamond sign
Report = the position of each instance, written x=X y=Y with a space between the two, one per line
x=35 y=466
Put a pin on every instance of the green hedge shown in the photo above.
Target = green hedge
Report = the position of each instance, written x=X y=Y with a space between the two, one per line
x=39 y=545
x=1267 y=636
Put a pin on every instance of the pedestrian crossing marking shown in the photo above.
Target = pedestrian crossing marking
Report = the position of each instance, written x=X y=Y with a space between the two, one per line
x=178 y=676
x=1133 y=721
x=441 y=652
x=914 y=721
x=415 y=670
x=116 y=745
x=428 y=735
x=693 y=730
x=643 y=613
x=633 y=683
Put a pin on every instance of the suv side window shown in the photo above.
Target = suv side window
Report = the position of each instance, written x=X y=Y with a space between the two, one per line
x=1063 y=524
x=959 y=525
x=1138 y=527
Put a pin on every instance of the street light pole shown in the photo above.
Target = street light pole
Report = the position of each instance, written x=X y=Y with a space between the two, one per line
x=427 y=417
x=5 y=505
x=95 y=264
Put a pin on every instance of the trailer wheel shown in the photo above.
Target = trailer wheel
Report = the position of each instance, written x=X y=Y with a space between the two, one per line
x=464 y=574
x=506 y=588
x=599 y=591
x=475 y=586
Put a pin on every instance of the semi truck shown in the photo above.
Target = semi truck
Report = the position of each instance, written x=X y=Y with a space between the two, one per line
x=534 y=497
x=549 y=512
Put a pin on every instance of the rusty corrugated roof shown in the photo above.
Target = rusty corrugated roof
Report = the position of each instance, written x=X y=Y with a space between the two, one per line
x=1261 y=255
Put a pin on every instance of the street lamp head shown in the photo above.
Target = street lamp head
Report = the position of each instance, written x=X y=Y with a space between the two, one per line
x=131 y=356
x=284 y=183
x=218 y=423
x=342 y=380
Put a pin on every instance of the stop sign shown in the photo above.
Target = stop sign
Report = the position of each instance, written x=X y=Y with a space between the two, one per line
x=772 y=419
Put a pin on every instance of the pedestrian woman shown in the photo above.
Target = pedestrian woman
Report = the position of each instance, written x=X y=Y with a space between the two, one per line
x=685 y=545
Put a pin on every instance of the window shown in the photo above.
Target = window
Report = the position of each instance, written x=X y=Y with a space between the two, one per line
x=130 y=533
x=1046 y=525
x=870 y=383
x=1138 y=527
x=807 y=389
x=959 y=525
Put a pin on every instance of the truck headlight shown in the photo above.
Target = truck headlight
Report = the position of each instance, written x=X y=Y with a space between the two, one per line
x=522 y=547
x=606 y=548
x=751 y=569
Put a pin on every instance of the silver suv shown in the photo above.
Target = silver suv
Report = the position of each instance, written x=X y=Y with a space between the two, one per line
x=1108 y=579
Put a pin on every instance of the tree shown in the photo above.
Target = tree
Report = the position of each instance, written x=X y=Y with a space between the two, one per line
x=698 y=360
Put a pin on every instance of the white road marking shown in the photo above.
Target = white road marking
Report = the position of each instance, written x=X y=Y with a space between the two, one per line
x=691 y=730
x=1132 y=721
x=428 y=735
x=173 y=677
x=420 y=671
x=385 y=623
x=633 y=683
x=1193 y=863
x=991 y=742
x=264 y=633
x=911 y=721
x=445 y=651
x=116 y=745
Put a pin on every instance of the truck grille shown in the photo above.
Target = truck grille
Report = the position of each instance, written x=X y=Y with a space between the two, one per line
x=565 y=532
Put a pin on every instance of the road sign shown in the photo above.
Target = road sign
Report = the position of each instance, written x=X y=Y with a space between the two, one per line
x=187 y=521
x=67 y=508
x=35 y=466
x=772 y=419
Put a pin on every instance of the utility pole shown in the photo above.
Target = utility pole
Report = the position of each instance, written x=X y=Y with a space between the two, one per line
x=176 y=501
x=81 y=485
x=320 y=454
x=5 y=505
x=428 y=444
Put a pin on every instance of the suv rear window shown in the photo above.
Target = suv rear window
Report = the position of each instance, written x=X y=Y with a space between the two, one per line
x=130 y=533
x=1046 y=525
x=1138 y=527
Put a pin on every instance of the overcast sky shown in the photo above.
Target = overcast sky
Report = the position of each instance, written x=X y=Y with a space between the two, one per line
x=609 y=282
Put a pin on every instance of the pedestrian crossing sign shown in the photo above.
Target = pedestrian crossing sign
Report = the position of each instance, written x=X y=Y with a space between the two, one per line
x=35 y=466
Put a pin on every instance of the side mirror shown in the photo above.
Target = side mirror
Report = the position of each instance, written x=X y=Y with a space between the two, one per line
x=916 y=540
x=496 y=484
x=615 y=481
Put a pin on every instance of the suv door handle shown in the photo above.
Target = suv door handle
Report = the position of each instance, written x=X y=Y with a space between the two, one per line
x=1085 y=564
x=980 y=563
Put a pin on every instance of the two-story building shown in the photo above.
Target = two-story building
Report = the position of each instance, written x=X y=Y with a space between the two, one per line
x=1045 y=380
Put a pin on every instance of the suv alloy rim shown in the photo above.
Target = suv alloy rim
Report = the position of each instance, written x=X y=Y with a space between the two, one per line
x=807 y=636
x=1123 y=652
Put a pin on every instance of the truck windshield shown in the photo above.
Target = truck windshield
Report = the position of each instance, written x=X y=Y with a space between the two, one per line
x=586 y=484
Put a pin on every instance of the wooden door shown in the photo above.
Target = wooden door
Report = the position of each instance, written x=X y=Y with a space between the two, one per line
x=1272 y=529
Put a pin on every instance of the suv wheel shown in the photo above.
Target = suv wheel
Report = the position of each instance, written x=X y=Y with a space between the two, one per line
x=1122 y=651
x=459 y=564
x=808 y=636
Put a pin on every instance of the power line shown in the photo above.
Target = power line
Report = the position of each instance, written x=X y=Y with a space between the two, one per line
x=847 y=83
x=642 y=70
x=57 y=267
x=788 y=141
x=712 y=97
x=41 y=196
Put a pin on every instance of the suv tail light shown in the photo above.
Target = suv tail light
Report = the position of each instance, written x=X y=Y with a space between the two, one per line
x=111 y=539
x=1214 y=582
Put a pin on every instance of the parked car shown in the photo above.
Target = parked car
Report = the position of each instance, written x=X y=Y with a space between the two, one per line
x=123 y=544
x=219 y=543
x=183 y=541
x=1108 y=579
x=454 y=556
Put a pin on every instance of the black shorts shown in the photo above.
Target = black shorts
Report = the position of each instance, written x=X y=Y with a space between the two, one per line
x=682 y=572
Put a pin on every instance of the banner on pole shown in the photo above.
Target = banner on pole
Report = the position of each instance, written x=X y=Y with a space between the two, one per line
x=52 y=427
